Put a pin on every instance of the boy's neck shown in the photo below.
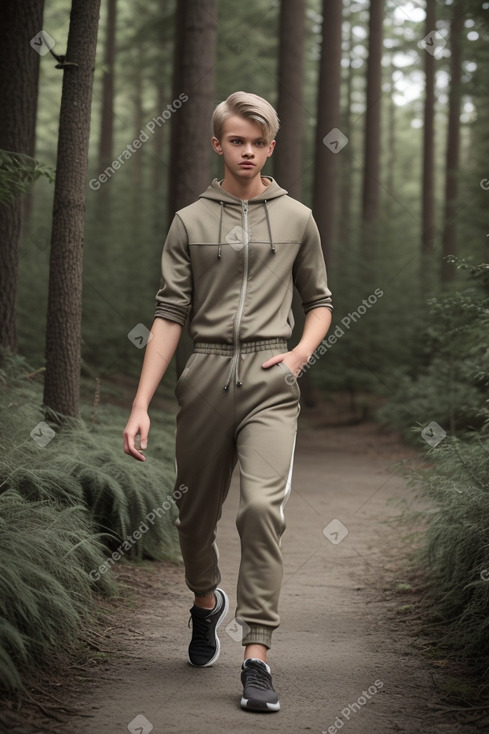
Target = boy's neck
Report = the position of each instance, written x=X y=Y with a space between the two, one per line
x=245 y=190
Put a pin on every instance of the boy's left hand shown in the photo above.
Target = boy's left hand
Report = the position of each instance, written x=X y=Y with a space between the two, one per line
x=291 y=359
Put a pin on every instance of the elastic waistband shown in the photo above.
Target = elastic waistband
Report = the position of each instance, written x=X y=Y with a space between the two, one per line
x=244 y=347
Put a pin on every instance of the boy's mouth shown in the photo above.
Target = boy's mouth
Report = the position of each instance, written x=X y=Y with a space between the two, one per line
x=247 y=164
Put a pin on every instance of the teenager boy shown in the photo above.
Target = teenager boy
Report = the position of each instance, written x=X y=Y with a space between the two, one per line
x=229 y=264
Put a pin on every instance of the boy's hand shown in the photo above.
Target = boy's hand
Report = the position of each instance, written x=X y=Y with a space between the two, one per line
x=292 y=360
x=137 y=427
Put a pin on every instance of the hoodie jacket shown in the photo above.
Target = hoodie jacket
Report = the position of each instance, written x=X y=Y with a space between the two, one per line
x=230 y=266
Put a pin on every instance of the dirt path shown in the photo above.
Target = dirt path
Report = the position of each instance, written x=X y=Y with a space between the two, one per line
x=342 y=660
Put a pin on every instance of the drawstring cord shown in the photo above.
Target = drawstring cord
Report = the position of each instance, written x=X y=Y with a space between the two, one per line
x=269 y=227
x=219 y=249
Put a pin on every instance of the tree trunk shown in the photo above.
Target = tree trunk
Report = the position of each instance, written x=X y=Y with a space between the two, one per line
x=63 y=335
x=19 y=64
x=346 y=181
x=371 y=169
x=194 y=84
x=328 y=143
x=453 y=142
x=428 y=230
x=287 y=157
x=106 y=142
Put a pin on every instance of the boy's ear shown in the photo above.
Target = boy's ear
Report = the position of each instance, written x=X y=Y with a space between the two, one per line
x=270 y=148
x=216 y=145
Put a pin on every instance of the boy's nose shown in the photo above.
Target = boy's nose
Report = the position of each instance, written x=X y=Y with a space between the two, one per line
x=248 y=151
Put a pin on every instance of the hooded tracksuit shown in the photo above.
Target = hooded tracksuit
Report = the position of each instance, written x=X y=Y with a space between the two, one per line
x=229 y=266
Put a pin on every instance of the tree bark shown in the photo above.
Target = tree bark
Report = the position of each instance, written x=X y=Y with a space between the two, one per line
x=428 y=196
x=346 y=180
x=450 y=246
x=106 y=142
x=63 y=336
x=328 y=118
x=194 y=77
x=371 y=169
x=288 y=154
x=19 y=63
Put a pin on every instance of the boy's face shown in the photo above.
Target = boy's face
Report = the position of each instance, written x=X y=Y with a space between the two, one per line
x=243 y=147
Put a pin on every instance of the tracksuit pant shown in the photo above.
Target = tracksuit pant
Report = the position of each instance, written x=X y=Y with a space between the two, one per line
x=231 y=410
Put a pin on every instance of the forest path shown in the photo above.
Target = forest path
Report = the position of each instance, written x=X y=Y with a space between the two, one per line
x=340 y=635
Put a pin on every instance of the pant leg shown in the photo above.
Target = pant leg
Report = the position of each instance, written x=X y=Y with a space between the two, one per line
x=265 y=444
x=205 y=457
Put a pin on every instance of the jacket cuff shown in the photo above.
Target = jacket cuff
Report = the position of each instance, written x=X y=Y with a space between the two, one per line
x=171 y=314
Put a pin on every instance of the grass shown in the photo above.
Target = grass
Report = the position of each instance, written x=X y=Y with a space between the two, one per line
x=64 y=507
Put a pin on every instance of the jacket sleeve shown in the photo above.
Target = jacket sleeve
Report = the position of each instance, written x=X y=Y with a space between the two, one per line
x=309 y=270
x=174 y=299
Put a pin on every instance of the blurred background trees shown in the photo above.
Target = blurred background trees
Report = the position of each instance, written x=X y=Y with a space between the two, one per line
x=404 y=84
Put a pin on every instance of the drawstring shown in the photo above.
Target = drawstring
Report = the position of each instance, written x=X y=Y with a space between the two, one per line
x=269 y=227
x=219 y=249
x=267 y=217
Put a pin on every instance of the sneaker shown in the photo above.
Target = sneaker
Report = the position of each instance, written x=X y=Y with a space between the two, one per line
x=204 y=646
x=258 y=693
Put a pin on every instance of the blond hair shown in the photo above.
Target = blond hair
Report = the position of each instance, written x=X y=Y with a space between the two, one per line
x=250 y=106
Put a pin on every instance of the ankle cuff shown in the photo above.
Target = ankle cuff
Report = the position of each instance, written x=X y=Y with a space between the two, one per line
x=258 y=635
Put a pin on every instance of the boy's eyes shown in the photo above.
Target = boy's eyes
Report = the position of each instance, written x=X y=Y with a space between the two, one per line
x=237 y=141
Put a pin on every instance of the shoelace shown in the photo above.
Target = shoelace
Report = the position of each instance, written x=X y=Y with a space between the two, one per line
x=200 y=630
x=258 y=678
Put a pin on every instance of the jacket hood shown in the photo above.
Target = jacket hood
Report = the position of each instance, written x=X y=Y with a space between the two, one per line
x=217 y=193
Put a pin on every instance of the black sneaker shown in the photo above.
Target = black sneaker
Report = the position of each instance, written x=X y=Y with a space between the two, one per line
x=258 y=693
x=204 y=646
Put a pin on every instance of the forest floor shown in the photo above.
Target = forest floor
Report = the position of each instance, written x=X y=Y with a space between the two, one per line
x=350 y=654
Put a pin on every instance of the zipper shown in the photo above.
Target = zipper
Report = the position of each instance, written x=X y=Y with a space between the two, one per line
x=239 y=313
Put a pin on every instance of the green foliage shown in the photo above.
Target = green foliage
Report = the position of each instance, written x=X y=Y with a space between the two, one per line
x=455 y=549
x=450 y=382
x=64 y=508
x=18 y=172
x=46 y=555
